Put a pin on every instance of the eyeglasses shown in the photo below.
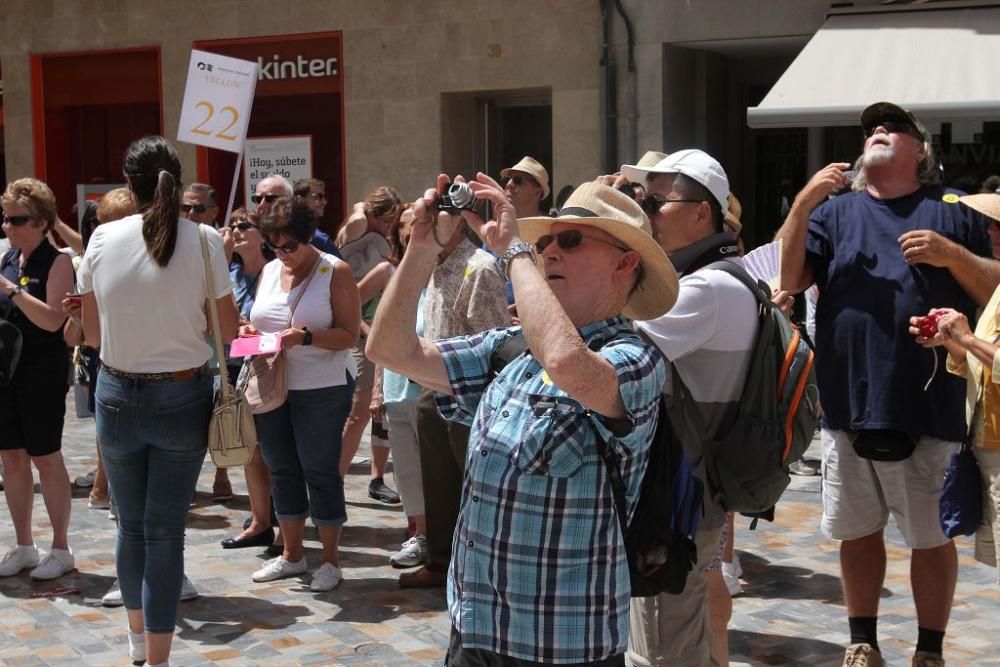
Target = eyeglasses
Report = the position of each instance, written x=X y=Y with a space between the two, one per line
x=569 y=239
x=197 y=208
x=242 y=226
x=17 y=220
x=270 y=199
x=518 y=179
x=652 y=204
x=893 y=126
x=287 y=248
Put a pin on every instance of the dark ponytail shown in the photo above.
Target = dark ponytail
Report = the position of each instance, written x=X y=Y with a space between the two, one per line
x=154 y=177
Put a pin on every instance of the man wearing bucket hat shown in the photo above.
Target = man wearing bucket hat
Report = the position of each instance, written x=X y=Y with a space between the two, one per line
x=897 y=246
x=707 y=338
x=526 y=185
x=538 y=571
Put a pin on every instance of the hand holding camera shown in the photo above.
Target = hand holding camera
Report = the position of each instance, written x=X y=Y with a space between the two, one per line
x=939 y=326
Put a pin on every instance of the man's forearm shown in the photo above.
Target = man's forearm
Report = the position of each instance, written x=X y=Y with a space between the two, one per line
x=978 y=276
x=794 y=275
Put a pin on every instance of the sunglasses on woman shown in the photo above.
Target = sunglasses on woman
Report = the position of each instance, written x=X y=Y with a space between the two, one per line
x=287 y=248
x=17 y=220
x=569 y=239
x=242 y=226
x=270 y=199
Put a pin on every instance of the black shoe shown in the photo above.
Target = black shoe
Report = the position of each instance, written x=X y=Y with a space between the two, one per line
x=261 y=539
x=377 y=490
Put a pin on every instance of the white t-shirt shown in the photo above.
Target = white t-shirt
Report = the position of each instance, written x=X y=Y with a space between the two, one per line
x=308 y=366
x=152 y=317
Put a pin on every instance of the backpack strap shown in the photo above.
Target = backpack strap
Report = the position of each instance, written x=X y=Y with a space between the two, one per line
x=758 y=288
x=507 y=351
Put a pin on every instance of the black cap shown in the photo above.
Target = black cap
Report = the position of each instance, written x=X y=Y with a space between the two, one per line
x=10 y=351
x=880 y=111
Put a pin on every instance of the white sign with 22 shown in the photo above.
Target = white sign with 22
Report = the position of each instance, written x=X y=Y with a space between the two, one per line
x=217 y=101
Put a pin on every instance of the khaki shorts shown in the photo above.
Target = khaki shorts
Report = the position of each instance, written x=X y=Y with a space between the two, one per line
x=988 y=535
x=366 y=369
x=859 y=494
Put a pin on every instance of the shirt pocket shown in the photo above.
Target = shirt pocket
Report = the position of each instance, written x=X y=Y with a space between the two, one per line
x=552 y=440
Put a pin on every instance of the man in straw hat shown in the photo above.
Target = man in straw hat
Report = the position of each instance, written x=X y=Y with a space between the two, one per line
x=526 y=185
x=538 y=571
x=707 y=338
x=890 y=422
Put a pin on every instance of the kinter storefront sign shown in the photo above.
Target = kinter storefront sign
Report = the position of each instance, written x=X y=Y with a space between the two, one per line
x=299 y=68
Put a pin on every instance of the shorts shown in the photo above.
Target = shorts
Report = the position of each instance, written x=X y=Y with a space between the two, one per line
x=366 y=369
x=988 y=535
x=33 y=408
x=859 y=494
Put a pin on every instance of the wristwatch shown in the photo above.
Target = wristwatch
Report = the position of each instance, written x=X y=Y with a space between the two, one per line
x=307 y=336
x=517 y=248
x=14 y=292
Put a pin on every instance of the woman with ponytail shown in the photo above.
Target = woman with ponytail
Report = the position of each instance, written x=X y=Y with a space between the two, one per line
x=145 y=303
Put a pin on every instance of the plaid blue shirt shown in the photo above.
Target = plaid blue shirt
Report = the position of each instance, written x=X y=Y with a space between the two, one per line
x=538 y=568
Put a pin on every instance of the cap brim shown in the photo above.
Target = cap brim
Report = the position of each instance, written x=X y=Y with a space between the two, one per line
x=636 y=174
x=657 y=292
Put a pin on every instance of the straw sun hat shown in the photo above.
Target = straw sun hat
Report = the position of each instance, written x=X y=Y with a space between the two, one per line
x=986 y=203
x=617 y=214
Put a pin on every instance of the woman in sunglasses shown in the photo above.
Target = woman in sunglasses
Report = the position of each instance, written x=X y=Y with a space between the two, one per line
x=309 y=299
x=34 y=276
x=249 y=257
x=145 y=298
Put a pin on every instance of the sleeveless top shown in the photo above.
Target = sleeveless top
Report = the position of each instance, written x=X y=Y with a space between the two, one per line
x=40 y=348
x=308 y=366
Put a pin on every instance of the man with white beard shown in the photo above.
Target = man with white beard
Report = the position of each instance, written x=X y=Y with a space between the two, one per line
x=897 y=246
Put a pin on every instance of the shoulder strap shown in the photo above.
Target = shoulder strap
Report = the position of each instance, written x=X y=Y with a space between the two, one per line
x=762 y=295
x=507 y=351
x=213 y=310
x=304 y=286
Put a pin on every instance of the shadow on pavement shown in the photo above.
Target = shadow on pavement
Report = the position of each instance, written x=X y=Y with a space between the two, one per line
x=763 y=649
x=220 y=620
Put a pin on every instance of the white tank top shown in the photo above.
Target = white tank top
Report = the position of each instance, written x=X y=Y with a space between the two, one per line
x=309 y=367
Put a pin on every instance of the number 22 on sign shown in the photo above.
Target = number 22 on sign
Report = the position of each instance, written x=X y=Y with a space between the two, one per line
x=200 y=128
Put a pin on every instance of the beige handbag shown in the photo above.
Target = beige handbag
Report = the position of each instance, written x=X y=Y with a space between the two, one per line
x=265 y=377
x=232 y=435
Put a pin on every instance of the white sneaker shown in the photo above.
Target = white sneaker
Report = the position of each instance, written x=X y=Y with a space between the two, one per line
x=413 y=553
x=326 y=578
x=17 y=559
x=85 y=481
x=731 y=573
x=136 y=646
x=279 y=568
x=57 y=563
x=188 y=591
x=113 y=598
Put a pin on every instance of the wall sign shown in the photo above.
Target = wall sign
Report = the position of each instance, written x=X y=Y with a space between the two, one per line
x=289 y=156
x=217 y=101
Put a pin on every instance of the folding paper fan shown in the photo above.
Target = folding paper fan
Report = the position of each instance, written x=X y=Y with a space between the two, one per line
x=764 y=263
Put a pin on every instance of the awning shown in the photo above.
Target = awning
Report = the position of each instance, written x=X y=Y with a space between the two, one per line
x=941 y=64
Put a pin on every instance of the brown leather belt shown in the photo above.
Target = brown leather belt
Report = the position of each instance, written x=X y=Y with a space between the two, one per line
x=173 y=376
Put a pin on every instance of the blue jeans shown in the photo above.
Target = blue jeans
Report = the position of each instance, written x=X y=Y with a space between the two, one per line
x=301 y=444
x=153 y=439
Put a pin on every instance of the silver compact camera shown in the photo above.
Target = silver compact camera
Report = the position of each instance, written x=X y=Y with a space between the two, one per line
x=459 y=197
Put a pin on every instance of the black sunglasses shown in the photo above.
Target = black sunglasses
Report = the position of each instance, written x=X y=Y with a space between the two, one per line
x=893 y=126
x=270 y=199
x=287 y=248
x=197 y=208
x=569 y=239
x=518 y=179
x=652 y=204
x=17 y=220
x=242 y=226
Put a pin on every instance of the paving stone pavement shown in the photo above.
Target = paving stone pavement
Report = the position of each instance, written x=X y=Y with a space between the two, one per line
x=790 y=613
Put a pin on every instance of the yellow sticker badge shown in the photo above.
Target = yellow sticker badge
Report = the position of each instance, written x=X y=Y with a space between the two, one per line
x=24 y=281
x=468 y=271
x=950 y=198
x=324 y=269
x=546 y=379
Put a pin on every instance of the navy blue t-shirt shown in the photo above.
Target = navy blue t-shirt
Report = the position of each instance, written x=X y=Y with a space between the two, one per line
x=871 y=372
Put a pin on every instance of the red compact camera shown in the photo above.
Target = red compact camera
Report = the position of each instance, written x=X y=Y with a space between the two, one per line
x=928 y=325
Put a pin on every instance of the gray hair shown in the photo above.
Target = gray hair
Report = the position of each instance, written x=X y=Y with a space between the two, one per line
x=286 y=184
x=928 y=171
x=204 y=189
